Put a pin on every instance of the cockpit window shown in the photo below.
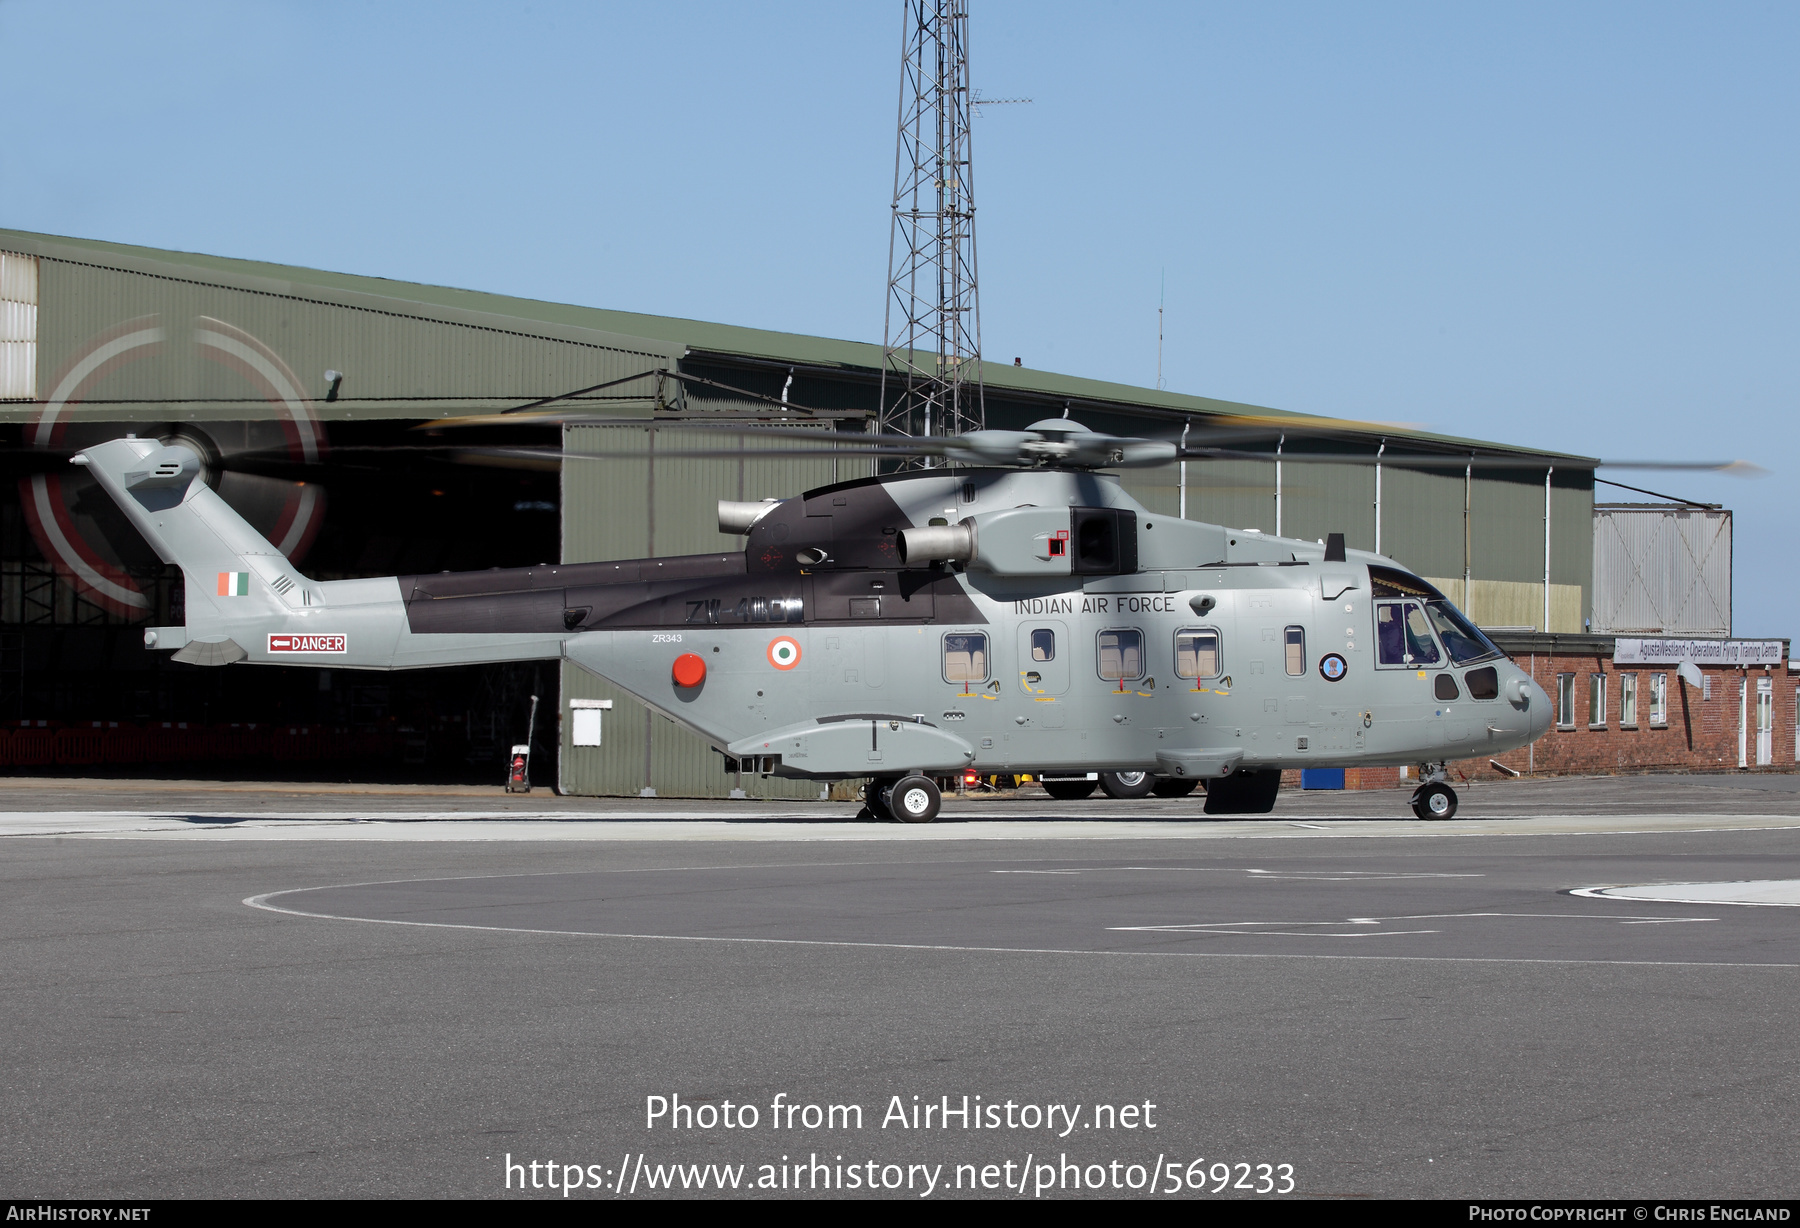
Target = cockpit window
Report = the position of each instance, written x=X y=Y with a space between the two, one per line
x=1463 y=640
x=1403 y=635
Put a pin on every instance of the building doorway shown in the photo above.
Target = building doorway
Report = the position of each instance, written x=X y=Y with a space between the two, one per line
x=1765 y=721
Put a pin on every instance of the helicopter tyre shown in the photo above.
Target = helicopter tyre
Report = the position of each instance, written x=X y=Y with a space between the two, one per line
x=1124 y=786
x=1174 y=786
x=1070 y=790
x=1434 y=801
x=912 y=799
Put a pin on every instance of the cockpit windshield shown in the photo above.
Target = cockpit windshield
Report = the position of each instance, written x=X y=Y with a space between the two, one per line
x=1463 y=640
x=1400 y=627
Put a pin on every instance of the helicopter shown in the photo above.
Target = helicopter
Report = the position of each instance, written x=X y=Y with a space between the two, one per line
x=1010 y=610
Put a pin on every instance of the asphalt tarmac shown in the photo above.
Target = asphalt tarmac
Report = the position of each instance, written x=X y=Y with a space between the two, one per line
x=292 y=991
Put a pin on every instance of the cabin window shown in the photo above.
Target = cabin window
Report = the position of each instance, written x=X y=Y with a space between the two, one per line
x=1443 y=686
x=1628 y=699
x=1403 y=635
x=1296 y=651
x=1483 y=683
x=1596 y=699
x=1043 y=644
x=965 y=657
x=1197 y=654
x=1565 y=700
x=1659 y=699
x=1121 y=656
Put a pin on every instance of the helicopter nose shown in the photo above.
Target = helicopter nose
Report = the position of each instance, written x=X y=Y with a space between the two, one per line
x=1529 y=703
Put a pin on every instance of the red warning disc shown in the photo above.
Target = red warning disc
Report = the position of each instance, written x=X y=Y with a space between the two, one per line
x=690 y=670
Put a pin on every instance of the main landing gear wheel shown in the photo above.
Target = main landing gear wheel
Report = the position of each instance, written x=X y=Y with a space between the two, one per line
x=1174 y=786
x=1126 y=785
x=912 y=799
x=1434 y=801
x=1070 y=790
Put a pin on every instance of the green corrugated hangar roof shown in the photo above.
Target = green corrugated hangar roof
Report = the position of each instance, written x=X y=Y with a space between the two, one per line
x=682 y=337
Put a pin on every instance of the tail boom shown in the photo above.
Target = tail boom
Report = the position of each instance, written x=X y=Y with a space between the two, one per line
x=246 y=602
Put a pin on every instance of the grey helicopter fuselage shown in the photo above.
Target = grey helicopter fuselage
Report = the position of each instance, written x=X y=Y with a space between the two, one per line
x=1165 y=645
x=928 y=621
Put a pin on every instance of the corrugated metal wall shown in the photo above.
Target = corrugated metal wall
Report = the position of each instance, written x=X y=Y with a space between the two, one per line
x=639 y=497
x=1662 y=570
x=1421 y=524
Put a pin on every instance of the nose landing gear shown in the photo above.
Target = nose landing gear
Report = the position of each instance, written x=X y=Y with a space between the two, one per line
x=1434 y=799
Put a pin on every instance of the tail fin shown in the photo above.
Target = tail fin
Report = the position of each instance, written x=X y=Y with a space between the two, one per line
x=230 y=569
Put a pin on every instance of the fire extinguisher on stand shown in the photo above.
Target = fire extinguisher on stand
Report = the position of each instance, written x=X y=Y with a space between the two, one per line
x=518 y=771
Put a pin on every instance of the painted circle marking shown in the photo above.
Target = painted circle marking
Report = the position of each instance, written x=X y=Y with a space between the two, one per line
x=784 y=652
x=1332 y=667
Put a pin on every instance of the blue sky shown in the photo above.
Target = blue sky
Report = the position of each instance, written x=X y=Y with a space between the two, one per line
x=1571 y=226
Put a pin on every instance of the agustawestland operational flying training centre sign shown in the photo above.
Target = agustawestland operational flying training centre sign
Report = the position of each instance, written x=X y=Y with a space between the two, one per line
x=1700 y=652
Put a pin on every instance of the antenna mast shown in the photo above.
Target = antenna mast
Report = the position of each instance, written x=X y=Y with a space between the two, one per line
x=931 y=360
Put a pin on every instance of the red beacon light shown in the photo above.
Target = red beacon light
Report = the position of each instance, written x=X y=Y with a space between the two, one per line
x=689 y=670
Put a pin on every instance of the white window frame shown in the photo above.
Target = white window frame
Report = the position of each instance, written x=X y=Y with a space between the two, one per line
x=1143 y=662
x=1218 y=652
x=987 y=659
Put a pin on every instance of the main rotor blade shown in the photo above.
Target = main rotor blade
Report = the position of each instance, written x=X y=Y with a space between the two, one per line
x=1736 y=468
x=1448 y=460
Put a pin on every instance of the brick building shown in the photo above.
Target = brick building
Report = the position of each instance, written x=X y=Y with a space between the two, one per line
x=1615 y=716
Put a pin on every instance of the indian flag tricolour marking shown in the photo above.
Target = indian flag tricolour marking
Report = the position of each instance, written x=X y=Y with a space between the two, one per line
x=234 y=584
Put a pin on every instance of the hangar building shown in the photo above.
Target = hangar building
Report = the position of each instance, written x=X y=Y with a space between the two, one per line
x=306 y=389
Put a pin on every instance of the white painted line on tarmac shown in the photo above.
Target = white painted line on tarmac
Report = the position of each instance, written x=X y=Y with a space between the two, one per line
x=1256 y=928
x=1764 y=893
x=262 y=902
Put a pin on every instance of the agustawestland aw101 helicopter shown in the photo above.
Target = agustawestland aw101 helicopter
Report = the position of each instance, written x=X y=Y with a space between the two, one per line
x=1012 y=611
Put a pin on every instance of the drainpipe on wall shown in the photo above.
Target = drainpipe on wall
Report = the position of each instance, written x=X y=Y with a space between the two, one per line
x=1468 y=548
x=1185 y=426
x=1278 y=444
x=1378 y=455
x=1545 y=628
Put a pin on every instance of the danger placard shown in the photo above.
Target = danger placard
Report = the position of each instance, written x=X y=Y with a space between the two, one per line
x=307 y=643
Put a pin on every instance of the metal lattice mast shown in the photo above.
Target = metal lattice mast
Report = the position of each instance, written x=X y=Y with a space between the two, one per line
x=931 y=370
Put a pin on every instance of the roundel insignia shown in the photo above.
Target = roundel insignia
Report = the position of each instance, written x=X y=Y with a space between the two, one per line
x=1332 y=667
x=784 y=652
